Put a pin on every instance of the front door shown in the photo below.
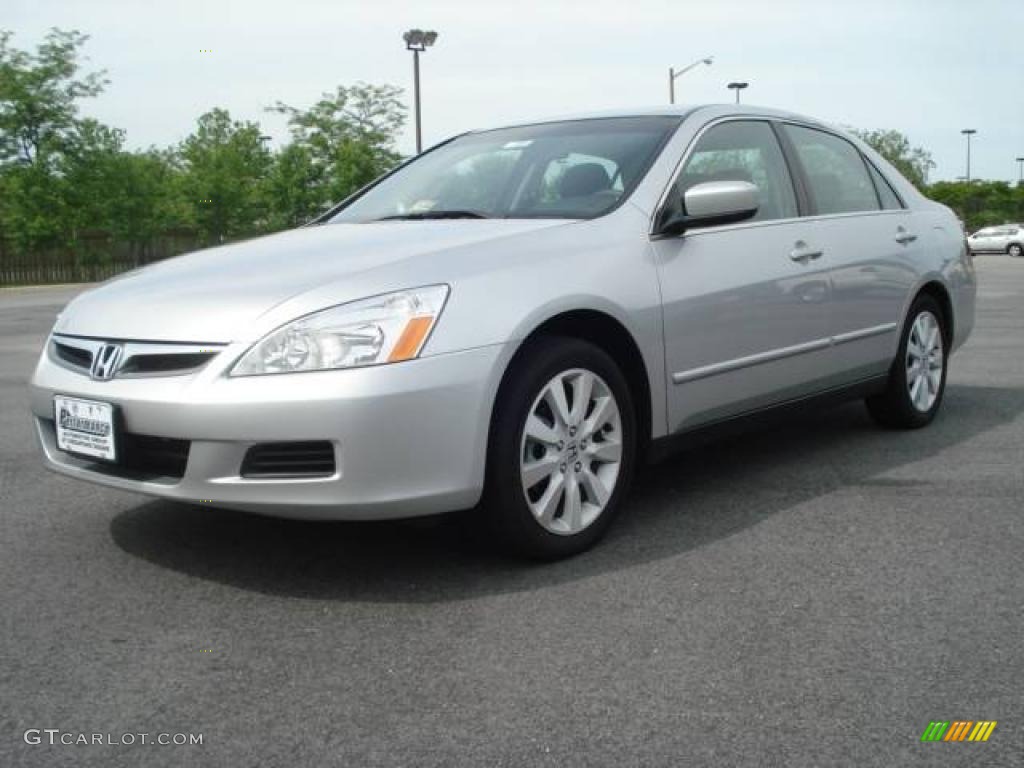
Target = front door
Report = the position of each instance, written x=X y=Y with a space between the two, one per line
x=745 y=305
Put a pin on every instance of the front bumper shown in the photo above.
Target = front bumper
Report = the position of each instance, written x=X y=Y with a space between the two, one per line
x=409 y=439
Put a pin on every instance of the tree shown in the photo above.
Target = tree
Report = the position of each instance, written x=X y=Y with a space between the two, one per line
x=132 y=196
x=33 y=207
x=225 y=170
x=68 y=185
x=39 y=124
x=914 y=163
x=349 y=137
x=295 y=188
x=39 y=94
x=981 y=203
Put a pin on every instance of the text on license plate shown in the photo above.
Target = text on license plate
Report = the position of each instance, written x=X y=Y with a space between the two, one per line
x=85 y=427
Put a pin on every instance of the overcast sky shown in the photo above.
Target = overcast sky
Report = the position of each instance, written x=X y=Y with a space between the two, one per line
x=925 y=67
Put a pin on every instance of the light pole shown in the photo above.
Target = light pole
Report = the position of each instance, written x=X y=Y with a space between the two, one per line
x=417 y=41
x=1020 y=170
x=968 y=132
x=738 y=86
x=674 y=73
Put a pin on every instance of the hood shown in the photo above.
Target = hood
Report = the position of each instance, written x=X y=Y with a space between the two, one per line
x=215 y=295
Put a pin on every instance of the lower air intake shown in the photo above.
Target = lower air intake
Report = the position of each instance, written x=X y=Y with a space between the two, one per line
x=314 y=458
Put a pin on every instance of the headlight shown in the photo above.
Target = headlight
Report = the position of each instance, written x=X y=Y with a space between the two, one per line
x=382 y=329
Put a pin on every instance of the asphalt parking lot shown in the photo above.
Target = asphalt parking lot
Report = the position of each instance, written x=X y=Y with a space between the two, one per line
x=810 y=594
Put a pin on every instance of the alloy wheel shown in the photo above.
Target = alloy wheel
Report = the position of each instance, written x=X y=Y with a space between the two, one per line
x=924 y=362
x=571 y=451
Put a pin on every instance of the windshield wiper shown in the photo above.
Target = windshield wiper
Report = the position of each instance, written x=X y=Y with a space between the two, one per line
x=422 y=215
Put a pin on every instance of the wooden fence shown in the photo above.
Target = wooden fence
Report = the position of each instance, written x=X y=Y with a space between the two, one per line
x=95 y=256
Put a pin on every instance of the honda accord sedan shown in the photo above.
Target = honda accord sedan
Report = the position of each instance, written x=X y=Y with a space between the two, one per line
x=510 y=321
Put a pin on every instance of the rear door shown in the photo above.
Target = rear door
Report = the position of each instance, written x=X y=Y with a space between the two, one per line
x=1015 y=236
x=745 y=305
x=870 y=239
x=1000 y=239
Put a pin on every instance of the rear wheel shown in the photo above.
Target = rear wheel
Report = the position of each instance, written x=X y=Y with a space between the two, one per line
x=1015 y=249
x=917 y=379
x=562 y=449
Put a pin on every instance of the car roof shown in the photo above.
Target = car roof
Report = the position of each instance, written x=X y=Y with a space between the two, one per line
x=711 y=111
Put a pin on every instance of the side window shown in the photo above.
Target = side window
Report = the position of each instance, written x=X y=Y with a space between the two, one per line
x=743 y=150
x=836 y=172
x=890 y=201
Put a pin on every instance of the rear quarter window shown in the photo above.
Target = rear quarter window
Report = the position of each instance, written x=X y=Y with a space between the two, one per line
x=890 y=200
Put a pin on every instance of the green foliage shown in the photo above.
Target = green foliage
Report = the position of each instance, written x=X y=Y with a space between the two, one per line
x=225 y=164
x=349 y=138
x=67 y=182
x=914 y=163
x=981 y=203
x=39 y=94
x=33 y=207
x=295 y=188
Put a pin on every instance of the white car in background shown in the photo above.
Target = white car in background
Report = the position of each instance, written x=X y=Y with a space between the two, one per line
x=1008 y=238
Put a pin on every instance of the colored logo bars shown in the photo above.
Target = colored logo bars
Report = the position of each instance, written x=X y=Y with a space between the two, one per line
x=959 y=730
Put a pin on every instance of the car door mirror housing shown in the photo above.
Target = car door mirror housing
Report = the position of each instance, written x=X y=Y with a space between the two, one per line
x=711 y=203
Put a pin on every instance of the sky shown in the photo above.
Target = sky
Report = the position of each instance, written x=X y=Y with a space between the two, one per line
x=928 y=68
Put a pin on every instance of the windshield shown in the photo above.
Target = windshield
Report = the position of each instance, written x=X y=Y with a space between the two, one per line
x=574 y=170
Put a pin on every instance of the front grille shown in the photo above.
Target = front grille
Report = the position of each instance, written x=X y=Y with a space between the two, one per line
x=76 y=357
x=139 y=358
x=167 y=364
x=313 y=458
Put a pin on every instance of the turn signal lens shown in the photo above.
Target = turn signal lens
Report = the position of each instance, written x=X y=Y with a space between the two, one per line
x=412 y=338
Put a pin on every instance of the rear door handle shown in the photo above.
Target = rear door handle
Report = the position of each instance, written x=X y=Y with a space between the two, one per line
x=803 y=253
x=903 y=237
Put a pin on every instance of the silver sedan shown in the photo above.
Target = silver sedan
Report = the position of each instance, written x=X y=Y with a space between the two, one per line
x=510 y=321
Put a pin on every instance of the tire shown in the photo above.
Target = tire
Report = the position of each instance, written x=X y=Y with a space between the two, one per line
x=1015 y=250
x=917 y=379
x=534 y=474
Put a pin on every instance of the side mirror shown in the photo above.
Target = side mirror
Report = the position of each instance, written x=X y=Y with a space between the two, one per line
x=711 y=203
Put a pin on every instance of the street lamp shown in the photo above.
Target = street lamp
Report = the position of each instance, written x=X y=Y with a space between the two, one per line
x=673 y=74
x=968 y=132
x=1020 y=170
x=417 y=41
x=738 y=86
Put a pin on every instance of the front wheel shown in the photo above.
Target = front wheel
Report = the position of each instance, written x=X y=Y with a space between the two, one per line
x=1015 y=249
x=917 y=379
x=562 y=448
